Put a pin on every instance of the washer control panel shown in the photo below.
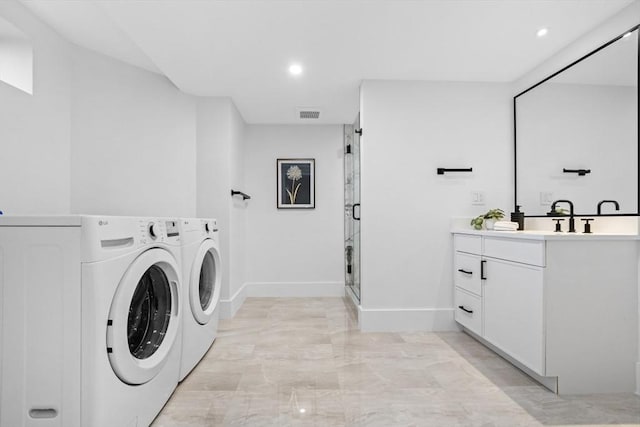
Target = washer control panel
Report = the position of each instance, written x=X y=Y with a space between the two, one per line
x=154 y=230
x=210 y=226
x=160 y=231
x=104 y=237
x=172 y=228
x=151 y=231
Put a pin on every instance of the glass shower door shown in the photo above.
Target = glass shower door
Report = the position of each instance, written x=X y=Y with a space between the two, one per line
x=352 y=135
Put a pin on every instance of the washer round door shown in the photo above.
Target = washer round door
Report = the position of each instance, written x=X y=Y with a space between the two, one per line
x=144 y=317
x=204 y=284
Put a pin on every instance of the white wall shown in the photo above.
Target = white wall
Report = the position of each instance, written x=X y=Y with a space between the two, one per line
x=409 y=130
x=294 y=252
x=35 y=129
x=219 y=166
x=133 y=141
x=96 y=136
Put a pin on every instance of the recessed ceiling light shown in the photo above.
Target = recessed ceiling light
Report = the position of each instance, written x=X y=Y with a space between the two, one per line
x=542 y=32
x=302 y=410
x=295 y=69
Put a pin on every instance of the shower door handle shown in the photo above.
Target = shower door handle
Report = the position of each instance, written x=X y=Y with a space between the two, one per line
x=353 y=211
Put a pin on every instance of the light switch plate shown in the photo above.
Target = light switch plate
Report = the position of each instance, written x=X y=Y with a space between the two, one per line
x=477 y=198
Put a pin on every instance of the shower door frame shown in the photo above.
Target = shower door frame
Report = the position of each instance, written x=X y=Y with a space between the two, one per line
x=352 y=139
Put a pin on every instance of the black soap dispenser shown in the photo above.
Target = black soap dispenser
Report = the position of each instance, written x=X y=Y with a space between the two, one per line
x=518 y=217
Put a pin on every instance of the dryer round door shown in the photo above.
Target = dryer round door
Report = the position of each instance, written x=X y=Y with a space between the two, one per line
x=144 y=317
x=204 y=285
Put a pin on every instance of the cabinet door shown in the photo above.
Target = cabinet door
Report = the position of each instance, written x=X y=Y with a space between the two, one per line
x=513 y=311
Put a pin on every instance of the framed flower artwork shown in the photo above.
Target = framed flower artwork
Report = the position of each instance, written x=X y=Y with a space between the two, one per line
x=296 y=183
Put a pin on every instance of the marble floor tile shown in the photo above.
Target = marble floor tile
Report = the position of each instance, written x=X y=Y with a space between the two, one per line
x=303 y=362
x=228 y=351
x=294 y=351
x=195 y=408
x=202 y=380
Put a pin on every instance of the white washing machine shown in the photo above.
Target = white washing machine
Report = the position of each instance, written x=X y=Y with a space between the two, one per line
x=91 y=320
x=201 y=289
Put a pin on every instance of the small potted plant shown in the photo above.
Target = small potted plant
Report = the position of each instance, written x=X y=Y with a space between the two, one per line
x=558 y=212
x=487 y=219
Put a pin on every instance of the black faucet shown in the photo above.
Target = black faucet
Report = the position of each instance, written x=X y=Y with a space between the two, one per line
x=616 y=204
x=572 y=221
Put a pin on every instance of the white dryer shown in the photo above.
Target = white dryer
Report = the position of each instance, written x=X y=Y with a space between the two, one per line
x=201 y=289
x=91 y=320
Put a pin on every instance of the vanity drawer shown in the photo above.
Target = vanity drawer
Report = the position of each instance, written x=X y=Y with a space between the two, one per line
x=520 y=250
x=468 y=310
x=467 y=243
x=467 y=272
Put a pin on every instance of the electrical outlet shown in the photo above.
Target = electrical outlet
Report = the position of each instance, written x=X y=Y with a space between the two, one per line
x=477 y=198
x=546 y=198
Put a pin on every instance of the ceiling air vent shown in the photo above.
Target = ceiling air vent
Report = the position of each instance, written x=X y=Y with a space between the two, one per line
x=308 y=113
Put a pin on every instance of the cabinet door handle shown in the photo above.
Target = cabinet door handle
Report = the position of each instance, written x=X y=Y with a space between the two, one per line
x=465 y=271
x=482 y=276
x=461 y=307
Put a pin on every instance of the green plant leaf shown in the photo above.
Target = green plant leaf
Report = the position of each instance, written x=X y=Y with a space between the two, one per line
x=477 y=222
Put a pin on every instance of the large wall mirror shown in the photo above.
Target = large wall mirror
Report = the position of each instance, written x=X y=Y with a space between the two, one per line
x=576 y=134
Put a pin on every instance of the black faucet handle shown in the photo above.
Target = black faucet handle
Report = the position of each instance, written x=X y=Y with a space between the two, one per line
x=558 y=225
x=587 y=225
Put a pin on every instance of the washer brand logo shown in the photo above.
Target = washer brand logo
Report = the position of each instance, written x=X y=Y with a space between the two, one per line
x=103 y=222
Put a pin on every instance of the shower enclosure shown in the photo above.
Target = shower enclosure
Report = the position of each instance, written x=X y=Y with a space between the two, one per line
x=352 y=136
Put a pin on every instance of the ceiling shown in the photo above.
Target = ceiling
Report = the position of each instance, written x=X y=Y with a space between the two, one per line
x=243 y=48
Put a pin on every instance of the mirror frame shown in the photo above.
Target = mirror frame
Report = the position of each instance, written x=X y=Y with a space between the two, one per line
x=515 y=132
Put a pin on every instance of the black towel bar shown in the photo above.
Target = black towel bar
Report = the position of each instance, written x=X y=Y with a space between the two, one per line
x=441 y=171
x=580 y=172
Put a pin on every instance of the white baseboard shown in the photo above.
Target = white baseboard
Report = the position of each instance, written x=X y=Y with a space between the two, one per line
x=295 y=289
x=229 y=307
x=638 y=378
x=403 y=319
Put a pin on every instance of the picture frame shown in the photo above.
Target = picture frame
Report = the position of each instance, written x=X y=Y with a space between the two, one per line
x=296 y=183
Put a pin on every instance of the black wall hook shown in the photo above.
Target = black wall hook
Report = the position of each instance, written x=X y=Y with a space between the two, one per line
x=244 y=195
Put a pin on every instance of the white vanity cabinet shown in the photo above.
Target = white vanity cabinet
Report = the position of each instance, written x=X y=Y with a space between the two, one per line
x=562 y=308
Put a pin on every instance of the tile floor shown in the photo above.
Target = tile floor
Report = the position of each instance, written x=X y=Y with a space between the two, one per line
x=303 y=362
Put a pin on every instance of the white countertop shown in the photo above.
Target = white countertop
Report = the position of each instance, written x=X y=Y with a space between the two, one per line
x=40 y=220
x=545 y=235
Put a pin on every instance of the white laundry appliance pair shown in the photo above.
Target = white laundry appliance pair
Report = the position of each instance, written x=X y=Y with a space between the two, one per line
x=91 y=314
x=201 y=289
